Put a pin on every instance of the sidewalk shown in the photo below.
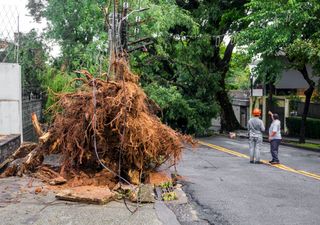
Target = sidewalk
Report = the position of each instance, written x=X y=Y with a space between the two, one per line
x=20 y=205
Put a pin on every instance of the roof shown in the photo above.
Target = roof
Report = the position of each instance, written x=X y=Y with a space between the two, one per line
x=293 y=79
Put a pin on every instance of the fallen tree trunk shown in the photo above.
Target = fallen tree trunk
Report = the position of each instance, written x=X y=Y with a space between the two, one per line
x=24 y=165
x=21 y=152
x=36 y=125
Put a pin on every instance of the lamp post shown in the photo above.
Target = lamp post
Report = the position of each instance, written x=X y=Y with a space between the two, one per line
x=251 y=89
x=251 y=84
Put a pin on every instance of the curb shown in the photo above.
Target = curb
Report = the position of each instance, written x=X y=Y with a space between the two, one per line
x=295 y=146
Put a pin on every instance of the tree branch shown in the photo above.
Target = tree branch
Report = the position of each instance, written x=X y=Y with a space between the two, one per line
x=224 y=63
x=305 y=75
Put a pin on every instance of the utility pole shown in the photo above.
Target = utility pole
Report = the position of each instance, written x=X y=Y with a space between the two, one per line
x=118 y=30
x=124 y=27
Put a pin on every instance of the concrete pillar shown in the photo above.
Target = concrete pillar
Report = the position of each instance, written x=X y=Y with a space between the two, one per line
x=10 y=99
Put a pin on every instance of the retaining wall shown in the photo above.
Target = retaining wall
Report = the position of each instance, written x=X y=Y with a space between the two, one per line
x=8 y=144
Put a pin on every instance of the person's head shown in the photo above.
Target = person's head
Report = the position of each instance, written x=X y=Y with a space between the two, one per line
x=256 y=112
x=275 y=116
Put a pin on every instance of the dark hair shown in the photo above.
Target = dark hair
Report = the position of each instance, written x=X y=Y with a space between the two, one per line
x=275 y=116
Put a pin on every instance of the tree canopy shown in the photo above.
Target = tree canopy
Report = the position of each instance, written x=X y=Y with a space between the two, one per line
x=286 y=35
x=187 y=66
x=32 y=56
x=190 y=52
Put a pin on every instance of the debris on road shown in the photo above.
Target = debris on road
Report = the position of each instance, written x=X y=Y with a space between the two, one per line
x=158 y=178
x=87 y=194
x=143 y=194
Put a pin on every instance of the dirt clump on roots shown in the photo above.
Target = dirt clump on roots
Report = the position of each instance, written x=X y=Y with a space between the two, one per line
x=106 y=129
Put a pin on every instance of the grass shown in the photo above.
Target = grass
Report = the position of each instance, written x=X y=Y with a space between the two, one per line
x=306 y=145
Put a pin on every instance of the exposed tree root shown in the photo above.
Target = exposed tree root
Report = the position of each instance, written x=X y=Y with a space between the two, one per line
x=115 y=116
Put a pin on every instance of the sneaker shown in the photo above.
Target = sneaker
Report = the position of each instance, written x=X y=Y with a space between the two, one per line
x=271 y=161
x=251 y=161
x=274 y=163
x=258 y=162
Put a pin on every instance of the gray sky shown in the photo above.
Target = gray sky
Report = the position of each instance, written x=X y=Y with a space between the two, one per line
x=26 y=22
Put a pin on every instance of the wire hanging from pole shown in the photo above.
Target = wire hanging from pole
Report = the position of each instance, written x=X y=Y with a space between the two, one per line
x=115 y=46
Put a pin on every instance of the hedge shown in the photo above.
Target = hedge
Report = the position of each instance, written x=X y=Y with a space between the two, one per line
x=312 y=127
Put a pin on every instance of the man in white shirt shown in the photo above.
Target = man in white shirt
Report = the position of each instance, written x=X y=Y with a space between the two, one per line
x=275 y=137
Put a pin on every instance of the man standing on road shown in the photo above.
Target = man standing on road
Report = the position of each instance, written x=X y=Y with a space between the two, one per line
x=274 y=137
x=255 y=127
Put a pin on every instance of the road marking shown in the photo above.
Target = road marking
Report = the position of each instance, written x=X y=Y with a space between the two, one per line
x=279 y=166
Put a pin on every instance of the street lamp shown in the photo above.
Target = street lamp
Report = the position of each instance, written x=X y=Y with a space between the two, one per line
x=251 y=84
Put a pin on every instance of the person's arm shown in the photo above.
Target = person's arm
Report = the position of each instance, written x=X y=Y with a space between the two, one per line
x=273 y=133
x=271 y=114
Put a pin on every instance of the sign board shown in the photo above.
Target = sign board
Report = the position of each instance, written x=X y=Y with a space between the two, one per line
x=257 y=92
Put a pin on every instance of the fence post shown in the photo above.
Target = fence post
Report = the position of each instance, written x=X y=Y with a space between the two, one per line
x=286 y=113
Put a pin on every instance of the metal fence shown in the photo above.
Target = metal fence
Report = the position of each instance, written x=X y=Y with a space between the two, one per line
x=32 y=102
x=9 y=34
x=32 y=93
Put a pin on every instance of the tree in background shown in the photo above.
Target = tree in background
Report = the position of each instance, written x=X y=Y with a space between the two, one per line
x=238 y=75
x=287 y=30
x=32 y=55
x=188 y=61
x=180 y=85
x=217 y=19
x=190 y=53
x=79 y=29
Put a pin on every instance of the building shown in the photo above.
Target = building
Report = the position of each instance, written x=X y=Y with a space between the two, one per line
x=290 y=83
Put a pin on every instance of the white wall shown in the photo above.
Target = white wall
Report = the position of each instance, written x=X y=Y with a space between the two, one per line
x=10 y=99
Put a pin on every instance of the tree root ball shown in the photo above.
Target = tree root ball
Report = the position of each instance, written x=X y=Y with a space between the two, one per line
x=113 y=119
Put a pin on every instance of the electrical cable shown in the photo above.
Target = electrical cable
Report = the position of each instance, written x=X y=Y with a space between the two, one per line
x=95 y=139
x=99 y=159
x=115 y=46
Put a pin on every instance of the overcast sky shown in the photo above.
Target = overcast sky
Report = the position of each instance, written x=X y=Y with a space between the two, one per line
x=26 y=22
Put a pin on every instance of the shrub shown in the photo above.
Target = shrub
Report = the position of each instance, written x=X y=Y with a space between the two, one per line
x=187 y=115
x=312 y=127
x=55 y=82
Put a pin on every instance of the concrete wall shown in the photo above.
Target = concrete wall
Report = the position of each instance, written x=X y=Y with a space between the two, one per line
x=10 y=99
x=8 y=144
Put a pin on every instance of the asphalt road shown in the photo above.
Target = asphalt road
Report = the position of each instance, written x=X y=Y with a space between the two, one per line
x=226 y=189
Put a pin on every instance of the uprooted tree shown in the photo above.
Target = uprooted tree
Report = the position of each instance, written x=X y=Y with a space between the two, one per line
x=105 y=122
